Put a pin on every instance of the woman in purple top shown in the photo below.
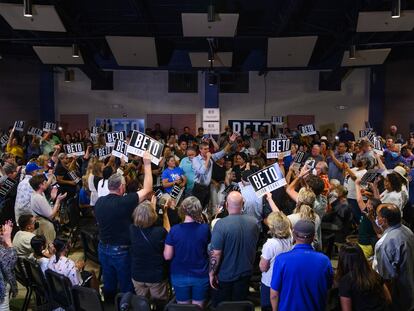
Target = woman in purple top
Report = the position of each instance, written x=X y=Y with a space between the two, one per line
x=186 y=247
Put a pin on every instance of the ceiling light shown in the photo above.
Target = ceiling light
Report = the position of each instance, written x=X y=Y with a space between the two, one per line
x=210 y=56
x=28 y=9
x=352 y=52
x=396 y=9
x=211 y=15
x=69 y=75
x=75 y=50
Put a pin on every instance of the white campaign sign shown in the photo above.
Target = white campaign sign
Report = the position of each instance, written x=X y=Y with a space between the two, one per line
x=267 y=180
x=277 y=147
x=139 y=143
x=211 y=114
x=308 y=130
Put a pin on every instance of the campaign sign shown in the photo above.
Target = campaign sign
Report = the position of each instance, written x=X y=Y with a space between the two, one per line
x=35 y=131
x=371 y=136
x=377 y=146
x=120 y=150
x=49 y=127
x=74 y=177
x=369 y=176
x=140 y=143
x=239 y=126
x=74 y=149
x=103 y=153
x=277 y=120
x=267 y=180
x=4 y=139
x=300 y=155
x=307 y=130
x=364 y=133
x=119 y=125
x=110 y=137
x=277 y=147
x=6 y=187
x=19 y=126
x=96 y=130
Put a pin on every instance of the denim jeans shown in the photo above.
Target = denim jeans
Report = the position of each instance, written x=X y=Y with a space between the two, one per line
x=116 y=269
x=190 y=288
x=265 y=297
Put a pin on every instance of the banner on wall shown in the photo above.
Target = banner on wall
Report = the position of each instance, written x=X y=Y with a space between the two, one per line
x=240 y=126
x=119 y=125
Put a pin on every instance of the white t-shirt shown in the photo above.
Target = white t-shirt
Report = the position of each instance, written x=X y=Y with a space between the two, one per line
x=349 y=183
x=94 y=192
x=40 y=206
x=103 y=190
x=392 y=197
x=271 y=249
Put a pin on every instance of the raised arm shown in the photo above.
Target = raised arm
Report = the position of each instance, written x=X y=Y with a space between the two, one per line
x=147 y=188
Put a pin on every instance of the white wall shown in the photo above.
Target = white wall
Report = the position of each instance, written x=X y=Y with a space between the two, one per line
x=288 y=92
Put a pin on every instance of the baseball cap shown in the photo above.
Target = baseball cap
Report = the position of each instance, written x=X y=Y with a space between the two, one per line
x=31 y=167
x=324 y=138
x=304 y=229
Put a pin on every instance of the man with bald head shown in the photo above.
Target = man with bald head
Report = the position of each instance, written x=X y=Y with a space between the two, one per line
x=232 y=252
x=394 y=256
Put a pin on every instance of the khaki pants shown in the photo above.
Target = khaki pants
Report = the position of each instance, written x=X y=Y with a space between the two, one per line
x=157 y=291
x=47 y=229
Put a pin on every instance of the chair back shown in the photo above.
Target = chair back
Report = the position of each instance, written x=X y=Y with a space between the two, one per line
x=182 y=307
x=60 y=289
x=37 y=279
x=235 y=306
x=20 y=273
x=90 y=245
x=136 y=303
x=86 y=299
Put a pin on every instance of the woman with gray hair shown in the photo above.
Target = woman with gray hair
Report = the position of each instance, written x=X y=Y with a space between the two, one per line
x=186 y=247
x=280 y=242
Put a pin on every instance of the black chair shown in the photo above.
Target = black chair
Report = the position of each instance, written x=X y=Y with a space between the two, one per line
x=182 y=307
x=38 y=283
x=136 y=303
x=90 y=248
x=60 y=289
x=86 y=299
x=23 y=278
x=235 y=306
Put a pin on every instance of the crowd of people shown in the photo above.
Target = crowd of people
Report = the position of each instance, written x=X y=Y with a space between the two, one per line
x=206 y=245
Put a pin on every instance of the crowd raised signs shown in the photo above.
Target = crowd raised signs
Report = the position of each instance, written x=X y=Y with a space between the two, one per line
x=7 y=185
x=267 y=180
x=35 y=131
x=140 y=143
x=74 y=150
x=103 y=153
x=277 y=147
x=19 y=126
x=112 y=136
x=120 y=150
x=308 y=130
x=49 y=127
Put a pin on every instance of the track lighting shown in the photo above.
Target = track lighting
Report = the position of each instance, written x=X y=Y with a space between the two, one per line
x=75 y=50
x=211 y=14
x=352 y=52
x=28 y=9
x=396 y=9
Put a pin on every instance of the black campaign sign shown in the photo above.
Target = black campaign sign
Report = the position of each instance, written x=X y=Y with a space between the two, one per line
x=74 y=150
x=49 y=127
x=103 y=152
x=300 y=155
x=96 y=130
x=277 y=147
x=267 y=180
x=4 y=139
x=112 y=136
x=120 y=150
x=6 y=187
x=140 y=143
x=277 y=120
x=308 y=130
x=19 y=126
x=35 y=131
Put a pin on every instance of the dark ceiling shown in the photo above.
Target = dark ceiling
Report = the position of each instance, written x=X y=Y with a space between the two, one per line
x=89 y=21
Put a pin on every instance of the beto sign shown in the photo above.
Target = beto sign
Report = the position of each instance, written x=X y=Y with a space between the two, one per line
x=277 y=147
x=267 y=180
x=120 y=150
x=140 y=143
x=74 y=150
x=110 y=137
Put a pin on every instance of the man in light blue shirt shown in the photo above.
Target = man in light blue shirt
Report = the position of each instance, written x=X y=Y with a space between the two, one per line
x=187 y=167
x=203 y=168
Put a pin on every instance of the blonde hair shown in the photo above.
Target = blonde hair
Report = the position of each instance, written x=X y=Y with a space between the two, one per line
x=144 y=215
x=305 y=212
x=42 y=160
x=279 y=225
x=191 y=206
x=306 y=196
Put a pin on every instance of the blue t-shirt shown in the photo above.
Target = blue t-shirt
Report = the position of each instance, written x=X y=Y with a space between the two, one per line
x=391 y=159
x=171 y=175
x=84 y=198
x=190 y=241
x=302 y=277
